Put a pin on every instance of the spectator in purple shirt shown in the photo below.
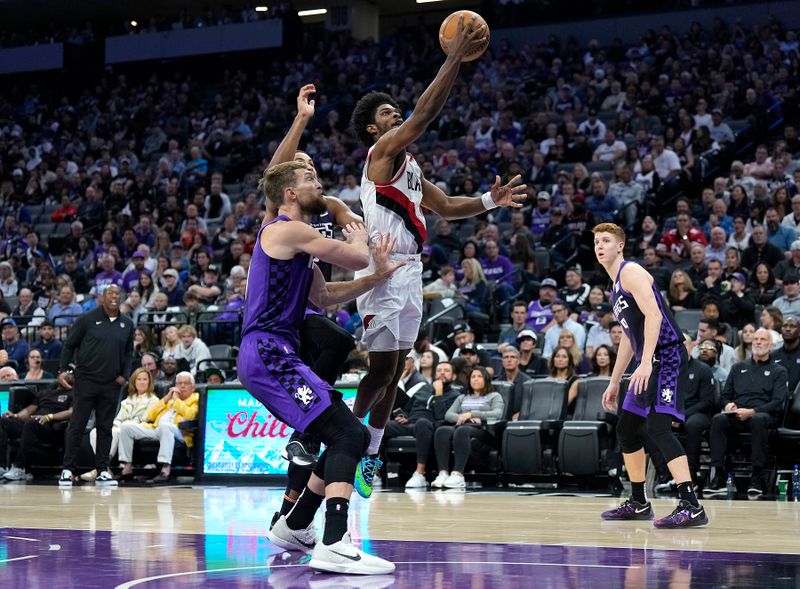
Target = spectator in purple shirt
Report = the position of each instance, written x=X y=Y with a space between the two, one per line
x=108 y=274
x=131 y=278
x=540 y=215
x=496 y=267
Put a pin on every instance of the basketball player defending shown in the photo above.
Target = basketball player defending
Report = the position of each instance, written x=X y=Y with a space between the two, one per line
x=283 y=279
x=324 y=346
x=655 y=396
x=393 y=191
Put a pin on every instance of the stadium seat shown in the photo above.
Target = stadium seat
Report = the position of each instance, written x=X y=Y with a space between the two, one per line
x=585 y=440
x=688 y=319
x=789 y=432
x=526 y=443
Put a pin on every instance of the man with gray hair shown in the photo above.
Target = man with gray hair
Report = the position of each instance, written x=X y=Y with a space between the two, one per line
x=790 y=265
x=752 y=400
x=162 y=423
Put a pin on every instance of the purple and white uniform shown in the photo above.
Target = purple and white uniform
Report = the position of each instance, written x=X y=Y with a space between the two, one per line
x=667 y=384
x=269 y=363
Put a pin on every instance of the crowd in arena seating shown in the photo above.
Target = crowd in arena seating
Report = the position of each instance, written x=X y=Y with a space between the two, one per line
x=688 y=142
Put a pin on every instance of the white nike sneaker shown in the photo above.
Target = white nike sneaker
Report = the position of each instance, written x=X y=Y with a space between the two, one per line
x=417 y=481
x=283 y=536
x=438 y=482
x=455 y=481
x=343 y=557
x=15 y=474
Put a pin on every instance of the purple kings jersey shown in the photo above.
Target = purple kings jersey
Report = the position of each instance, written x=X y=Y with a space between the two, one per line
x=538 y=316
x=277 y=293
x=631 y=318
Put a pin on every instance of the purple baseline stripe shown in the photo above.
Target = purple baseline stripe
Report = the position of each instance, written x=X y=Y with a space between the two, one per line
x=113 y=559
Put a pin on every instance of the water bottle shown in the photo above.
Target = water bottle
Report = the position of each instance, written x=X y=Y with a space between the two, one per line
x=796 y=484
x=730 y=487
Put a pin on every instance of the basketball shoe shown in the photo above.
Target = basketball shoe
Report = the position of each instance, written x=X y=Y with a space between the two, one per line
x=630 y=510
x=344 y=557
x=685 y=515
x=282 y=535
x=368 y=467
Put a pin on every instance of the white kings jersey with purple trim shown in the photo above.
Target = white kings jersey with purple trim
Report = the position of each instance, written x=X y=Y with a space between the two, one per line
x=395 y=207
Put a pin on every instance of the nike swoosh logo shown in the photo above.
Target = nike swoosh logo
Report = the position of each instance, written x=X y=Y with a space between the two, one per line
x=642 y=510
x=97 y=322
x=355 y=558
x=307 y=545
x=695 y=515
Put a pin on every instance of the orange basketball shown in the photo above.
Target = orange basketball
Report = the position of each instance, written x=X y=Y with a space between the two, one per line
x=450 y=26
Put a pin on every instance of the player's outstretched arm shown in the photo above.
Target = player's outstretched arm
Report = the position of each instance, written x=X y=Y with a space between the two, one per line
x=340 y=212
x=284 y=240
x=468 y=39
x=305 y=112
x=324 y=293
x=461 y=207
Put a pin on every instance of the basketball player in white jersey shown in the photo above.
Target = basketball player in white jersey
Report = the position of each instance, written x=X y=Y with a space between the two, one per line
x=393 y=192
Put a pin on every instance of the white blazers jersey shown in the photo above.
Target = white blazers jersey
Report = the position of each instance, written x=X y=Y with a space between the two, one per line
x=395 y=207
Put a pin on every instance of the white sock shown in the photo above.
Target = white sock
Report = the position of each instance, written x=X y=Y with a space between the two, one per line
x=376 y=435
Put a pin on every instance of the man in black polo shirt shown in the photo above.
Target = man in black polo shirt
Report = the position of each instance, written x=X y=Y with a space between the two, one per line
x=752 y=399
x=100 y=345
x=511 y=373
x=789 y=355
x=44 y=420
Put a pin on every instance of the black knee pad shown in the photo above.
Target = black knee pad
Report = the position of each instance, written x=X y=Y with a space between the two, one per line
x=628 y=432
x=659 y=428
x=343 y=455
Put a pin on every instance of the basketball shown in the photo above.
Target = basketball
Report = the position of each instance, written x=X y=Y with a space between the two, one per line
x=449 y=29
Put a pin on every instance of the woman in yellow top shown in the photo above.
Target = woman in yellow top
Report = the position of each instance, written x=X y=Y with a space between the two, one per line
x=161 y=423
x=140 y=400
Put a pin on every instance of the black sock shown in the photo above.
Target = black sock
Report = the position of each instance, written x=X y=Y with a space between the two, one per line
x=287 y=505
x=335 y=520
x=302 y=514
x=686 y=492
x=637 y=492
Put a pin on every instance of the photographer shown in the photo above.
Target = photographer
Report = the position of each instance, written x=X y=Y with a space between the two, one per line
x=737 y=306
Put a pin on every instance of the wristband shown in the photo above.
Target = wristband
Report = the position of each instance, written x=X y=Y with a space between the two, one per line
x=488 y=203
x=48 y=418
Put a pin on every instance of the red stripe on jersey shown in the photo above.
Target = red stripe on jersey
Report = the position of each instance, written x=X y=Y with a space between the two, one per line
x=409 y=213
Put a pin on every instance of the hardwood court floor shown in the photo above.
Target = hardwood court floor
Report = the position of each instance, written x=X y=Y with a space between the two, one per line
x=214 y=537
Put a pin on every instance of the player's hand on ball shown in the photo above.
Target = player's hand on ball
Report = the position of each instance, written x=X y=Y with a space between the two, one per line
x=510 y=194
x=468 y=39
x=610 y=397
x=381 y=250
x=305 y=107
x=355 y=233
